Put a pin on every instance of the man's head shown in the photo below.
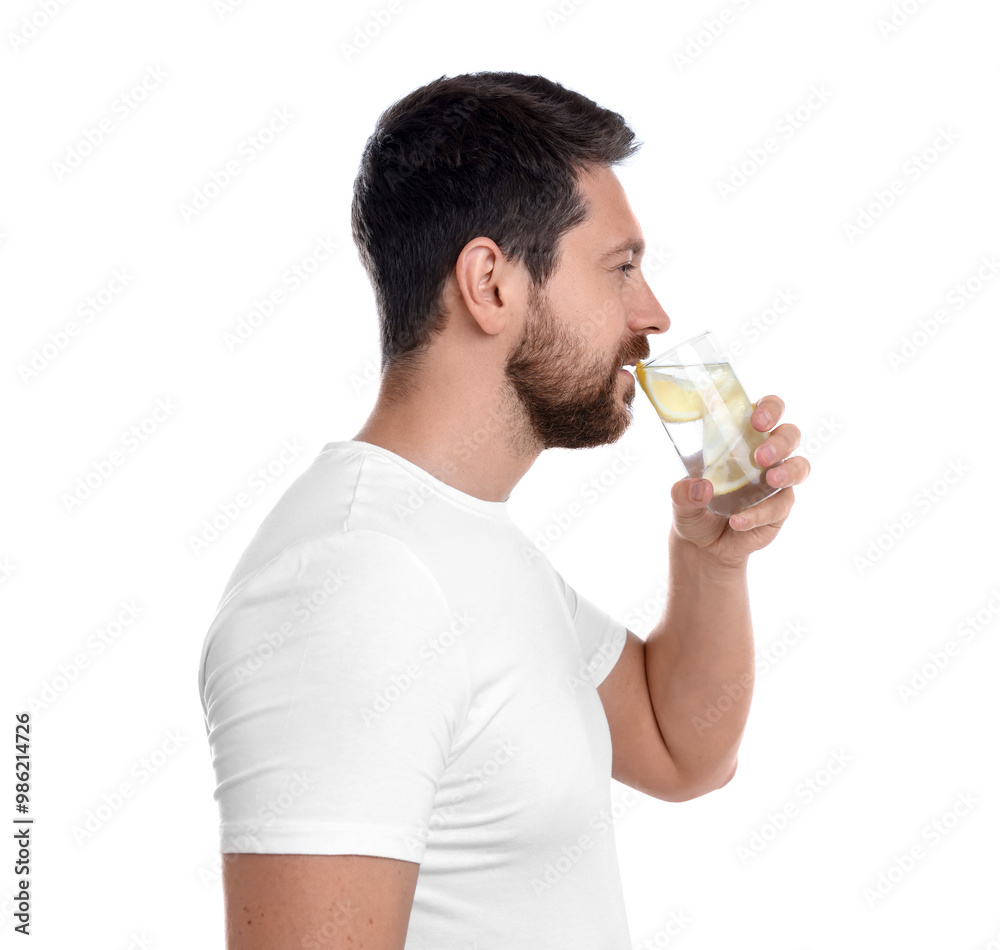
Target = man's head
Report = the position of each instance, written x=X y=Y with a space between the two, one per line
x=469 y=192
x=487 y=153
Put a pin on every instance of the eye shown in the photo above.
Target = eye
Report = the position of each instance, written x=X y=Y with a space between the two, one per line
x=625 y=268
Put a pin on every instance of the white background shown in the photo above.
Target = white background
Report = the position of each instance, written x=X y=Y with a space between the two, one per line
x=876 y=569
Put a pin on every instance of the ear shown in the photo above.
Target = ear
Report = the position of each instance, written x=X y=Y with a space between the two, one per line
x=489 y=284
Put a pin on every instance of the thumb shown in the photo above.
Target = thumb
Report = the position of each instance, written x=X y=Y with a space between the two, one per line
x=692 y=519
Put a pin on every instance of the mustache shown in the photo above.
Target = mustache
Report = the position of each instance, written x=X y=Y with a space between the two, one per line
x=635 y=349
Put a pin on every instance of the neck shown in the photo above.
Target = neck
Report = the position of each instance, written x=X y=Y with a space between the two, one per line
x=463 y=428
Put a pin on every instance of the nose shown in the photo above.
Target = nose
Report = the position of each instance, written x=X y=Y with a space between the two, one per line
x=646 y=316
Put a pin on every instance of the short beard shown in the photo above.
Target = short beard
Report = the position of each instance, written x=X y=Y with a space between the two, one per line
x=571 y=398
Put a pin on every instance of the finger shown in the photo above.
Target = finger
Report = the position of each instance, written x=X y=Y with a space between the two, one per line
x=767 y=411
x=793 y=471
x=684 y=493
x=778 y=445
x=771 y=511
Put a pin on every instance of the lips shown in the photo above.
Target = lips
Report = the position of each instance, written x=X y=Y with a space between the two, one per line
x=632 y=360
x=637 y=344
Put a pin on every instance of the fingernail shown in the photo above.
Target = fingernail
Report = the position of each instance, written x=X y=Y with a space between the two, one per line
x=738 y=521
x=698 y=491
x=763 y=418
x=765 y=455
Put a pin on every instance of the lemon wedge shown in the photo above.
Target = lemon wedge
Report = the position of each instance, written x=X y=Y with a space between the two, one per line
x=726 y=475
x=719 y=439
x=727 y=451
x=674 y=398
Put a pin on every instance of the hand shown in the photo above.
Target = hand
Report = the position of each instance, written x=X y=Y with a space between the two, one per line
x=730 y=541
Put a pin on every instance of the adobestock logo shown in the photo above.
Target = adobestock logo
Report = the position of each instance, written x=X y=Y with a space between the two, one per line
x=248 y=841
x=122 y=107
x=570 y=855
x=936 y=661
x=29 y=27
x=363 y=378
x=963 y=293
x=923 y=500
x=59 y=340
x=114 y=801
x=754 y=328
x=586 y=671
x=131 y=440
x=430 y=651
x=806 y=792
x=884 y=197
x=768 y=657
x=933 y=833
x=224 y=8
x=7 y=569
x=476 y=779
x=95 y=645
x=247 y=151
x=899 y=15
x=373 y=27
x=557 y=15
x=646 y=614
x=712 y=28
x=673 y=925
x=785 y=129
x=591 y=491
x=291 y=281
x=303 y=611
x=227 y=513
x=819 y=438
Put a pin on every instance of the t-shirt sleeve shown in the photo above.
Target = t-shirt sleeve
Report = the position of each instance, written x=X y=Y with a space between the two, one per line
x=330 y=720
x=601 y=637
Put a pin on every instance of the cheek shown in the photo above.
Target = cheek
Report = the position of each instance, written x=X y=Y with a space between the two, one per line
x=603 y=318
x=593 y=306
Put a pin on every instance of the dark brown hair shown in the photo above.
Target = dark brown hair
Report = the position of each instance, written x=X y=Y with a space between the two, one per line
x=492 y=154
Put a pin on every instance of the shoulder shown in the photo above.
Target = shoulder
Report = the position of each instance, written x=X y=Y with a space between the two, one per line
x=345 y=572
x=359 y=593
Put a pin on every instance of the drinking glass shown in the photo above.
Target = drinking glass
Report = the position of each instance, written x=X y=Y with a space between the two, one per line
x=706 y=413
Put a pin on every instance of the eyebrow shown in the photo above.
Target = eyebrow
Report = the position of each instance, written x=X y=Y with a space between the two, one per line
x=636 y=245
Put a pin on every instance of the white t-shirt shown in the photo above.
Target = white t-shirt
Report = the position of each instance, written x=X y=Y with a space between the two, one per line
x=396 y=670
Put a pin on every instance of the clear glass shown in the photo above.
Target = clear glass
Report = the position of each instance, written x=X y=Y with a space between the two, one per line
x=706 y=413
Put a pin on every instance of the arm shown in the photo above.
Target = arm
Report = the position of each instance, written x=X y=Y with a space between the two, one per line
x=316 y=902
x=677 y=704
x=700 y=664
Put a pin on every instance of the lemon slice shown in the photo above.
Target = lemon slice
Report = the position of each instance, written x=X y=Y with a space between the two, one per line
x=720 y=437
x=674 y=398
x=727 y=419
x=726 y=475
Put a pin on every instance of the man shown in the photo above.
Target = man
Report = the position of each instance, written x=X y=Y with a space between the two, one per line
x=413 y=718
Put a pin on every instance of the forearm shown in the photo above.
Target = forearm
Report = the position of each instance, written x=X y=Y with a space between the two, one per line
x=700 y=664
